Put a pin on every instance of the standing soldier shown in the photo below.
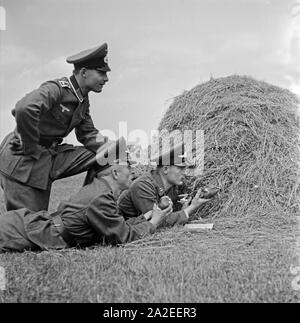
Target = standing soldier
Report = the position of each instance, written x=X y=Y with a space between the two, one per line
x=33 y=156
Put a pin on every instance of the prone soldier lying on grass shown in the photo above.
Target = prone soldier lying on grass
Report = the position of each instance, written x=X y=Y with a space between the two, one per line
x=149 y=188
x=90 y=217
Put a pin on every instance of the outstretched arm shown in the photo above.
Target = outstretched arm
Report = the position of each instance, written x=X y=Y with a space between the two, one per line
x=104 y=218
x=143 y=196
x=88 y=135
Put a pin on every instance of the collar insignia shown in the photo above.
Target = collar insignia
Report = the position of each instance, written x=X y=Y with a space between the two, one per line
x=64 y=84
x=76 y=88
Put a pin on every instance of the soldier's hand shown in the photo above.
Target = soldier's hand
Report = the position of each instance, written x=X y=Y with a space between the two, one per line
x=16 y=145
x=159 y=215
x=17 y=152
x=197 y=201
x=101 y=139
x=185 y=200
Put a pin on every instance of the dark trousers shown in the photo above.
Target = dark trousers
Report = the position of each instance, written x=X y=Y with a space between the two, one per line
x=66 y=163
x=23 y=230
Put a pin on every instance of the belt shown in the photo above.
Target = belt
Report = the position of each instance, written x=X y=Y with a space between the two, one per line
x=57 y=222
x=50 y=143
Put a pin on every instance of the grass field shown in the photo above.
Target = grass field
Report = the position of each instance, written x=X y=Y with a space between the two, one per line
x=241 y=260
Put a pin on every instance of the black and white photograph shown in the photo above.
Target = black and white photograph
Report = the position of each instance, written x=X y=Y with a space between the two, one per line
x=149 y=154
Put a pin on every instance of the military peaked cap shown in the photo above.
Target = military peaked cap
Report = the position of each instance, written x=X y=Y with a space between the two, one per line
x=176 y=156
x=94 y=58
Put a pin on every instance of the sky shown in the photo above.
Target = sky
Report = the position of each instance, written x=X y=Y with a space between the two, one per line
x=156 y=50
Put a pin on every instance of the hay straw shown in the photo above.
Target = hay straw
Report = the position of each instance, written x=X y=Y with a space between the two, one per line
x=251 y=144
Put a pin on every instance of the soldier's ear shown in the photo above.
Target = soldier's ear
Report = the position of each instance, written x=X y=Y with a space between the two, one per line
x=114 y=173
x=83 y=71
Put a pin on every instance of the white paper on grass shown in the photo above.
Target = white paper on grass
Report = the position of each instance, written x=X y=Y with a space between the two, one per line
x=198 y=226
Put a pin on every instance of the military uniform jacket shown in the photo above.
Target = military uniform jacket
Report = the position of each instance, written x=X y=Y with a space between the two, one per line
x=92 y=216
x=143 y=193
x=47 y=114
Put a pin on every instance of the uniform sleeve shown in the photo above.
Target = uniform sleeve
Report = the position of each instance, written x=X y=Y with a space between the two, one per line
x=135 y=220
x=143 y=196
x=107 y=222
x=88 y=135
x=178 y=217
x=27 y=114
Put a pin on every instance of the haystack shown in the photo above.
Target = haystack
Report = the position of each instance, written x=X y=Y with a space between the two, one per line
x=251 y=136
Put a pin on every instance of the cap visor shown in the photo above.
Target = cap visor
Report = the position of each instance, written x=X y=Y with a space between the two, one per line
x=103 y=69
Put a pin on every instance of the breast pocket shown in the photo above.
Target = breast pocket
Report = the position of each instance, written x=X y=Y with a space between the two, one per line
x=62 y=113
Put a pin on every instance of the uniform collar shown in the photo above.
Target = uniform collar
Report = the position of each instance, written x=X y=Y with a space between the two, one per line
x=76 y=88
x=114 y=190
x=158 y=183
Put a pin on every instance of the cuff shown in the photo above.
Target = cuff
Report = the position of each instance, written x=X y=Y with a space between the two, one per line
x=186 y=213
x=135 y=220
x=152 y=228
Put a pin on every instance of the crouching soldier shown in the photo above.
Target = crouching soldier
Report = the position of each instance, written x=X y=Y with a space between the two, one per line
x=148 y=189
x=90 y=217
x=32 y=156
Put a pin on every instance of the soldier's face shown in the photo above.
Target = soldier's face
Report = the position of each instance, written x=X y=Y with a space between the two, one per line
x=124 y=177
x=95 y=80
x=175 y=175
